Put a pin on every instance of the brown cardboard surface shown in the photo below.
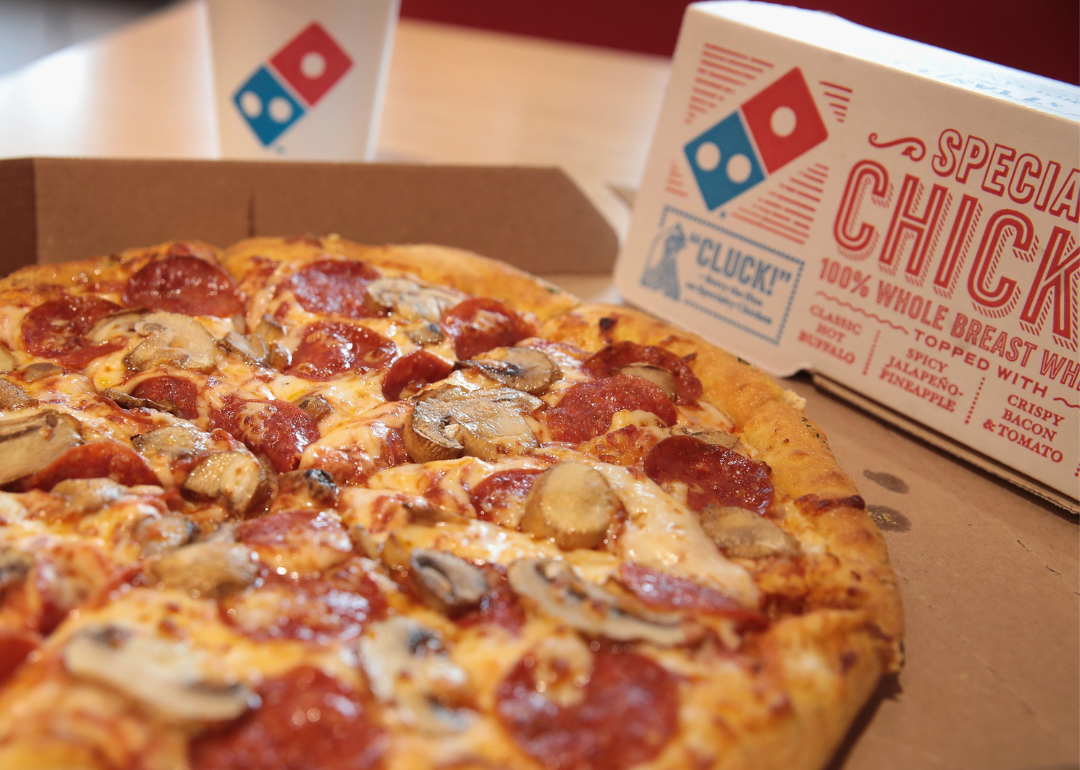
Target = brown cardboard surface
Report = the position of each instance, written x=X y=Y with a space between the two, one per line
x=535 y=218
x=941 y=441
x=990 y=579
x=18 y=223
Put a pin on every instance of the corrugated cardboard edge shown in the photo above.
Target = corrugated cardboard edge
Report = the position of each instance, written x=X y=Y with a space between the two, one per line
x=945 y=443
x=533 y=217
x=18 y=213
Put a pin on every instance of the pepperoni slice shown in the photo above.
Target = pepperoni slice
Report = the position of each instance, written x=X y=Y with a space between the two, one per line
x=501 y=490
x=307 y=720
x=586 y=409
x=330 y=348
x=628 y=713
x=15 y=645
x=667 y=592
x=96 y=460
x=184 y=284
x=307 y=541
x=57 y=329
x=278 y=429
x=165 y=389
x=333 y=286
x=480 y=324
x=713 y=474
x=321 y=609
x=614 y=357
x=412 y=371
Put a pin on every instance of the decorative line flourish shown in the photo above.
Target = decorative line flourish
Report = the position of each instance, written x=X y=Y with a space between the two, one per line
x=1071 y=406
x=914 y=145
x=870 y=355
x=860 y=310
x=974 y=401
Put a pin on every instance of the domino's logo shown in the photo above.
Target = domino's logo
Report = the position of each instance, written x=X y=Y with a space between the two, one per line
x=293 y=81
x=766 y=133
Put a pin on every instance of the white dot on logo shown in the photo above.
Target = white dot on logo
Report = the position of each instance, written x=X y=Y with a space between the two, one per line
x=738 y=168
x=707 y=156
x=251 y=104
x=782 y=121
x=313 y=65
x=280 y=109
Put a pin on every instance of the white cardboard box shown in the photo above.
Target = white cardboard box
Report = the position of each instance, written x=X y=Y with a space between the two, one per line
x=899 y=219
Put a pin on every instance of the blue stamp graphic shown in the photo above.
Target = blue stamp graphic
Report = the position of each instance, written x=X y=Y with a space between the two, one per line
x=266 y=106
x=661 y=269
x=723 y=161
x=722 y=274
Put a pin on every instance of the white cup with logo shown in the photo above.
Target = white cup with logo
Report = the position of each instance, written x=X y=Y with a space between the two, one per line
x=300 y=79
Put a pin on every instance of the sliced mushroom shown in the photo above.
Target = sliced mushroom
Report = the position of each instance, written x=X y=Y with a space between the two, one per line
x=315 y=406
x=280 y=357
x=446 y=582
x=571 y=503
x=173 y=339
x=7 y=360
x=171 y=442
x=407 y=666
x=89 y=495
x=558 y=591
x=165 y=677
x=708 y=435
x=741 y=533
x=250 y=347
x=15 y=565
x=128 y=401
x=657 y=375
x=427 y=333
x=269 y=330
x=526 y=369
x=115 y=325
x=158 y=534
x=412 y=298
x=14 y=397
x=491 y=430
x=29 y=444
x=307 y=488
x=236 y=478
x=212 y=568
x=40 y=370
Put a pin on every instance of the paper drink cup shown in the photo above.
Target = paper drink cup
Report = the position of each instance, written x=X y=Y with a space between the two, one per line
x=300 y=79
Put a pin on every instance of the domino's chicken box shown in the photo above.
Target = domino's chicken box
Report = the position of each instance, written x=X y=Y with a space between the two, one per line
x=899 y=219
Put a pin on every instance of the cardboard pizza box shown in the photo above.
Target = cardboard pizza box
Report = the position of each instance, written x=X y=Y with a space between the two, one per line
x=56 y=209
x=898 y=219
x=988 y=573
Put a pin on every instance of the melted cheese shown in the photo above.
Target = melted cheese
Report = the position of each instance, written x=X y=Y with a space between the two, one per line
x=663 y=534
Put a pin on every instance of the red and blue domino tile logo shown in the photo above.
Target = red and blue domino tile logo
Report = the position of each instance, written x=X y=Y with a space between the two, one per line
x=293 y=81
x=763 y=135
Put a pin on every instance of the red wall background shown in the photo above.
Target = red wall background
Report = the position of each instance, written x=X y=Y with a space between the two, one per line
x=1040 y=36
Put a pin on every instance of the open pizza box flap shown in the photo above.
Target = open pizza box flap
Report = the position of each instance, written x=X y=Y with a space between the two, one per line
x=988 y=574
x=916 y=251
x=55 y=209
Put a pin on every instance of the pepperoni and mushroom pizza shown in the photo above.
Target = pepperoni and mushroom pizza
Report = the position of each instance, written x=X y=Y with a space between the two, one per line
x=310 y=504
